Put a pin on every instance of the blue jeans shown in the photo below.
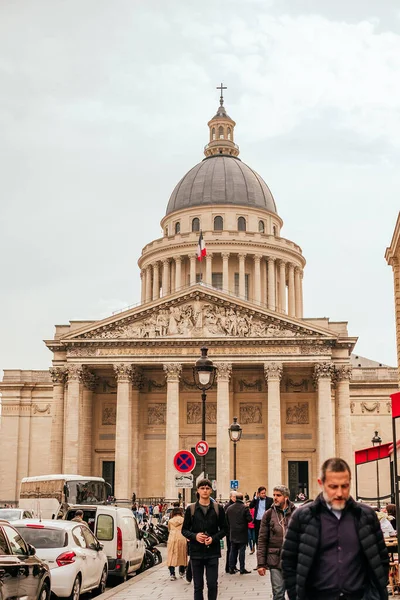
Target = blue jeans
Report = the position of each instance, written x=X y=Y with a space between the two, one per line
x=235 y=550
x=278 y=587
x=251 y=538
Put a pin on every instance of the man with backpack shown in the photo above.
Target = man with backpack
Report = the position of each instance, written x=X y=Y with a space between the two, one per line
x=204 y=526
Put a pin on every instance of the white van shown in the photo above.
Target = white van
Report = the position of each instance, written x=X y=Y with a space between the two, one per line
x=117 y=529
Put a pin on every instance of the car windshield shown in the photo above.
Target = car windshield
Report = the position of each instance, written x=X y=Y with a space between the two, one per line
x=43 y=537
x=86 y=492
x=10 y=514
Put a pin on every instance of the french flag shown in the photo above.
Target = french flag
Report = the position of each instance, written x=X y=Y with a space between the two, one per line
x=201 y=248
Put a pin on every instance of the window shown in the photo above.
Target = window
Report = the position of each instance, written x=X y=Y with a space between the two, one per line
x=177 y=227
x=261 y=227
x=274 y=230
x=241 y=224
x=218 y=224
x=105 y=528
x=196 y=224
x=229 y=133
x=220 y=132
x=166 y=231
x=16 y=542
x=44 y=538
x=217 y=281
x=246 y=285
x=213 y=133
x=78 y=536
x=129 y=529
x=3 y=544
x=89 y=538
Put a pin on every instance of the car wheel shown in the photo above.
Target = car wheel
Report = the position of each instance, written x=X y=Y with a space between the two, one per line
x=44 y=592
x=76 y=589
x=101 y=588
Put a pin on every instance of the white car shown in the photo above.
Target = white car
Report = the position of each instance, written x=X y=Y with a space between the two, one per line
x=13 y=514
x=75 y=557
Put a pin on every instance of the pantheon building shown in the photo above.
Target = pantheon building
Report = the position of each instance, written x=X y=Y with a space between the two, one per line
x=119 y=399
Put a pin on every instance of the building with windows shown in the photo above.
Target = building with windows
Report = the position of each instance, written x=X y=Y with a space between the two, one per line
x=119 y=399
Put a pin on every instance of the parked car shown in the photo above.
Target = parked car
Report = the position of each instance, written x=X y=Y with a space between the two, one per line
x=13 y=514
x=75 y=557
x=118 y=531
x=22 y=574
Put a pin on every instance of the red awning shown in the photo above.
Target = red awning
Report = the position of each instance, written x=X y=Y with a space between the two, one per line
x=373 y=453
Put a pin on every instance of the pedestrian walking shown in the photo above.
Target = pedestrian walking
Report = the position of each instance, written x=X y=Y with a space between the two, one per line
x=270 y=540
x=238 y=517
x=251 y=540
x=260 y=503
x=334 y=546
x=232 y=498
x=204 y=526
x=176 y=545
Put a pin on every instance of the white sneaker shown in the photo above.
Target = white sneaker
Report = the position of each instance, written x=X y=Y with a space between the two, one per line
x=172 y=577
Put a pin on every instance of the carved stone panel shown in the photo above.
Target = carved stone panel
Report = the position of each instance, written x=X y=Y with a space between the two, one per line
x=106 y=386
x=156 y=413
x=243 y=385
x=109 y=414
x=297 y=414
x=194 y=413
x=294 y=385
x=250 y=413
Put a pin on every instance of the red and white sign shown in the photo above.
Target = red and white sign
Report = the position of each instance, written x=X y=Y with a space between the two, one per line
x=202 y=448
x=184 y=461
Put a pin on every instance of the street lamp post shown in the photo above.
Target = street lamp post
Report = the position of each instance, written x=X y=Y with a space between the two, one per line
x=204 y=376
x=377 y=440
x=235 y=433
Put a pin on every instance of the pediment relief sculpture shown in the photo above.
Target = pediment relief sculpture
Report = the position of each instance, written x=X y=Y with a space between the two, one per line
x=200 y=319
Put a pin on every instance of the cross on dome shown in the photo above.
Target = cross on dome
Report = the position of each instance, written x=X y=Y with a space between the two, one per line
x=221 y=98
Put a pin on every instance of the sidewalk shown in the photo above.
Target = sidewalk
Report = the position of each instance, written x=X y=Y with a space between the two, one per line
x=155 y=584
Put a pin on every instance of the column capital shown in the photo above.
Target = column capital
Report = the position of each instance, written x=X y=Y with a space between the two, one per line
x=173 y=371
x=282 y=263
x=155 y=264
x=257 y=258
x=88 y=378
x=242 y=255
x=271 y=259
x=225 y=255
x=137 y=377
x=323 y=371
x=343 y=372
x=297 y=270
x=165 y=261
x=209 y=255
x=291 y=267
x=273 y=371
x=123 y=372
x=224 y=371
x=177 y=258
x=58 y=375
x=74 y=372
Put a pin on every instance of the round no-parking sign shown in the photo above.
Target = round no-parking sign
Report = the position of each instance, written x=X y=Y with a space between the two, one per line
x=202 y=448
x=184 y=461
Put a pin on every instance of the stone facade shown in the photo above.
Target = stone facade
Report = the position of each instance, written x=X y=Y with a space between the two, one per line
x=393 y=259
x=120 y=391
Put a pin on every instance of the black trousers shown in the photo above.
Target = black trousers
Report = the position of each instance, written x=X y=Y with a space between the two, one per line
x=257 y=524
x=210 y=565
x=233 y=556
x=228 y=551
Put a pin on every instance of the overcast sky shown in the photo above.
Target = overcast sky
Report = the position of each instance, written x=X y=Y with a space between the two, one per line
x=104 y=107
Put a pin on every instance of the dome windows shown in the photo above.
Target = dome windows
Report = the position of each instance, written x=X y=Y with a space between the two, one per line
x=213 y=137
x=274 y=230
x=241 y=224
x=229 y=133
x=218 y=223
x=177 y=227
x=220 y=132
x=196 y=224
x=261 y=227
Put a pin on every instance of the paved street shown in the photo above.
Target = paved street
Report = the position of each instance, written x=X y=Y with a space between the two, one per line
x=155 y=584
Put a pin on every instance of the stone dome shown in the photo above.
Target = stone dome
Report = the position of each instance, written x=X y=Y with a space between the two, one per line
x=221 y=179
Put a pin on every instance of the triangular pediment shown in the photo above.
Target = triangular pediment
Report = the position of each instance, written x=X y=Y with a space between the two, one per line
x=198 y=313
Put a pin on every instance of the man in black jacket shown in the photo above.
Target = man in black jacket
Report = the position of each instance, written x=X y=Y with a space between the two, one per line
x=261 y=503
x=204 y=527
x=343 y=555
x=232 y=498
x=238 y=518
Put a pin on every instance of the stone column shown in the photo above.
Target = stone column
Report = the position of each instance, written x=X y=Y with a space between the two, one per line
x=242 y=281
x=165 y=278
x=291 y=298
x=343 y=415
x=178 y=272
x=156 y=281
x=273 y=374
x=271 y=283
x=225 y=271
x=89 y=381
x=224 y=371
x=297 y=292
x=301 y=294
x=143 y=286
x=173 y=372
x=148 y=284
x=24 y=435
x=257 y=278
x=323 y=378
x=123 y=428
x=58 y=375
x=282 y=285
x=71 y=419
x=192 y=270
x=137 y=385
x=209 y=268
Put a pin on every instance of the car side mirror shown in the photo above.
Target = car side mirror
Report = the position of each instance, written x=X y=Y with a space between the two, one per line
x=100 y=546
x=31 y=550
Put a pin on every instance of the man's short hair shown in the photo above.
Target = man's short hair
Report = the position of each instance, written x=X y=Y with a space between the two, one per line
x=283 y=490
x=232 y=494
x=239 y=496
x=204 y=482
x=79 y=513
x=261 y=489
x=336 y=465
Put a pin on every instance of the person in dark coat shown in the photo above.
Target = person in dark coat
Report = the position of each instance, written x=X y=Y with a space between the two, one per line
x=260 y=503
x=238 y=518
x=204 y=526
x=334 y=547
x=232 y=498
